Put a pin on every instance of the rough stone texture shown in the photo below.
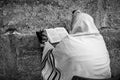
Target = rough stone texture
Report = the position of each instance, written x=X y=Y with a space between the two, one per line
x=20 y=55
x=28 y=51
x=52 y=13
x=112 y=39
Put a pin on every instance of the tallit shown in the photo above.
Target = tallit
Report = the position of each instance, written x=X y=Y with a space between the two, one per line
x=83 y=53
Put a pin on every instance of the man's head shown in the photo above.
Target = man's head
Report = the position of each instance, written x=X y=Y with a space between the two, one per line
x=74 y=17
x=76 y=11
x=82 y=23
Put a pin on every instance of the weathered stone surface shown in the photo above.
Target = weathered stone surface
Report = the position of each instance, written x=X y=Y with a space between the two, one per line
x=20 y=54
x=20 y=57
x=112 y=39
x=50 y=13
x=27 y=63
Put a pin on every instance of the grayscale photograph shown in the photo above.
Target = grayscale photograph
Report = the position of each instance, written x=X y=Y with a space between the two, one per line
x=59 y=39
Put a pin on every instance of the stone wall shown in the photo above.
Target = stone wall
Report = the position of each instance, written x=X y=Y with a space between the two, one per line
x=20 y=55
x=58 y=12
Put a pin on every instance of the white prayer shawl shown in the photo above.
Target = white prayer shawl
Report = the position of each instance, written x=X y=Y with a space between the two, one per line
x=83 y=53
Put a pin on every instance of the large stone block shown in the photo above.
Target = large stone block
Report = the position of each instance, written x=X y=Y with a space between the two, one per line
x=112 y=39
x=20 y=57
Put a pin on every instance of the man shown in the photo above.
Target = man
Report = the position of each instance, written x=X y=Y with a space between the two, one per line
x=83 y=53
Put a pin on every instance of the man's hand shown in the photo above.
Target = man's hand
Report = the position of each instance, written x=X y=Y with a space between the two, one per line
x=42 y=37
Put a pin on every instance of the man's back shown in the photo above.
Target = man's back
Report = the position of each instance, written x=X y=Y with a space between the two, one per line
x=78 y=56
